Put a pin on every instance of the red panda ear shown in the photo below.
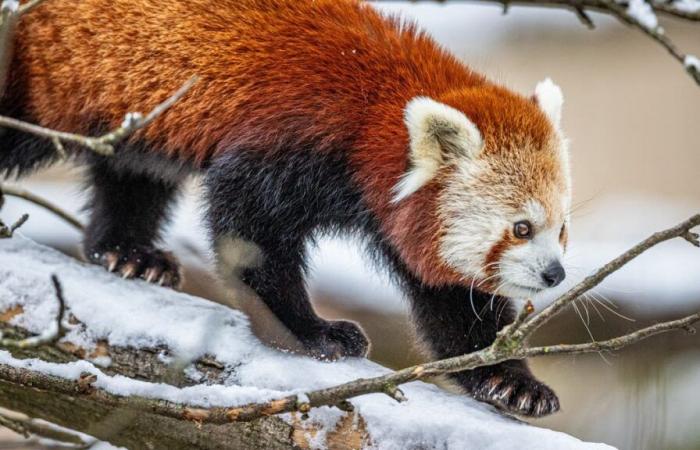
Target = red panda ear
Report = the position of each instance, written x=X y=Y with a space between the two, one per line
x=437 y=133
x=550 y=99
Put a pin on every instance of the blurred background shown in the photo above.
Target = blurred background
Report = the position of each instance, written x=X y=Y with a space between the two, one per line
x=631 y=114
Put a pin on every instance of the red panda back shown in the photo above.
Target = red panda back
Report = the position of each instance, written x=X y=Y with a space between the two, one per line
x=272 y=73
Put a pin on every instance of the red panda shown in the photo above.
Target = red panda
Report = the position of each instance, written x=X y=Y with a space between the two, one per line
x=308 y=116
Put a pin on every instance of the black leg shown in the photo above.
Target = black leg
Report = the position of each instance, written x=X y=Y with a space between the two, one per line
x=127 y=213
x=279 y=282
x=447 y=323
x=274 y=206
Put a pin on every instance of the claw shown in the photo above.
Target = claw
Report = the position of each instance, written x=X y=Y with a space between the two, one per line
x=112 y=261
x=150 y=275
x=128 y=270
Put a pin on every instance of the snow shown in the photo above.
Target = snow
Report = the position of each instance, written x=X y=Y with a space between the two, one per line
x=690 y=6
x=134 y=313
x=643 y=13
x=692 y=61
x=10 y=5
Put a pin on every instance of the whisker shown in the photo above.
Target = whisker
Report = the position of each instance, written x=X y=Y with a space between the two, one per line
x=620 y=315
x=592 y=302
x=471 y=299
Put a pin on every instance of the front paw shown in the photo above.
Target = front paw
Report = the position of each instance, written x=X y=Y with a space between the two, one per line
x=334 y=340
x=518 y=393
x=153 y=265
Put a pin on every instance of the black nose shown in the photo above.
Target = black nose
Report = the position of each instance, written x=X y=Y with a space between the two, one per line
x=553 y=274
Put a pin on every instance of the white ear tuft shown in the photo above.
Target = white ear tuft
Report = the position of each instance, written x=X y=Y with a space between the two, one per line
x=550 y=98
x=436 y=132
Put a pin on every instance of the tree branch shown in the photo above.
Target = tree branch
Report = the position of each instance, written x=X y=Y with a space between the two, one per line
x=102 y=145
x=24 y=194
x=619 y=10
x=28 y=428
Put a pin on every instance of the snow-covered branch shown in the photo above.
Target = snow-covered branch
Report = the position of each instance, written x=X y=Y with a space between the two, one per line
x=639 y=14
x=112 y=370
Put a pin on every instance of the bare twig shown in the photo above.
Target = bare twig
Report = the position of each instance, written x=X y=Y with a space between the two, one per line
x=44 y=203
x=8 y=232
x=103 y=145
x=618 y=342
x=9 y=16
x=29 y=6
x=28 y=428
x=53 y=334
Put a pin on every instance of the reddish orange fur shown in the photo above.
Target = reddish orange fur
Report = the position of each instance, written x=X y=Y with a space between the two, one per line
x=331 y=72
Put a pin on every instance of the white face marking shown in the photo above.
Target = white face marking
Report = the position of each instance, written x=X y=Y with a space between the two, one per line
x=521 y=266
x=476 y=217
x=472 y=220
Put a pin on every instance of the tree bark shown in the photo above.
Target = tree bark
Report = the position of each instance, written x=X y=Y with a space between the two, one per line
x=126 y=421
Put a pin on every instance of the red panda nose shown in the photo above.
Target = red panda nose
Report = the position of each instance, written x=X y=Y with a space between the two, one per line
x=553 y=274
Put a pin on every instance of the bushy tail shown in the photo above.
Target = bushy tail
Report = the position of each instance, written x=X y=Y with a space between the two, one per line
x=22 y=153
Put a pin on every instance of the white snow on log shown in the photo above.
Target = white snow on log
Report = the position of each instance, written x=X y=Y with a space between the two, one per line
x=134 y=313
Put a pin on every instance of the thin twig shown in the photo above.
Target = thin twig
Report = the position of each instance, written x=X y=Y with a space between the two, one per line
x=28 y=428
x=9 y=16
x=618 y=342
x=102 y=145
x=7 y=232
x=44 y=203
x=509 y=343
x=29 y=6
x=50 y=336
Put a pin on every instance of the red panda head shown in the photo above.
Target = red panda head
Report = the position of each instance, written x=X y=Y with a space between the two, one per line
x=501 y=163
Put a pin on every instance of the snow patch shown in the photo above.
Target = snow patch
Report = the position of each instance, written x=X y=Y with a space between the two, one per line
x=10 y=5
x=643 y=13
x=690 y=6
x=134 y=313
x=692 y=61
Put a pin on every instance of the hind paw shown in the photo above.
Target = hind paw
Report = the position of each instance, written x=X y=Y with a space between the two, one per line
x=153 y=265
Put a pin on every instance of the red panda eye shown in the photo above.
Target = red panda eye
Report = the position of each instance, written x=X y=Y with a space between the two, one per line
x=523 y=229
